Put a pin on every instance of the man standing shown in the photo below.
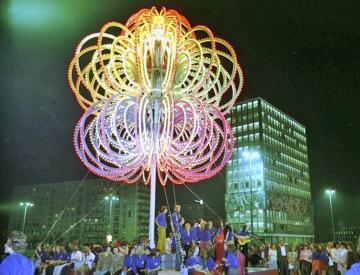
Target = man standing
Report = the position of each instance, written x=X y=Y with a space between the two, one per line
x=176 y=219
x=341 y=257
x=243 y=238
x=16 y=263
x=176 y=223
x=282 y=258
x=186 y=239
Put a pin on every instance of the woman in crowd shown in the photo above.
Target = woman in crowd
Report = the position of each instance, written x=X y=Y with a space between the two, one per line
x=117 y=261
x=293 y=259
x=76 y=258
x=88 y=261
x=219 y=243
x=305 y=260
x=273 y=257
x=15 y=263
x=320 y=260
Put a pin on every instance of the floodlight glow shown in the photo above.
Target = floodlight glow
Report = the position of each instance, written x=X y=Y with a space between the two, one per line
x=250 y=155
x=156 y=61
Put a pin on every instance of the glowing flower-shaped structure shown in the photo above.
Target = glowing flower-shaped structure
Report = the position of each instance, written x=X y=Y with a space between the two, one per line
x=154 y=88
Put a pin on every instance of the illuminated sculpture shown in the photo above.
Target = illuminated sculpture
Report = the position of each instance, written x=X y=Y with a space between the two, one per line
x=155 y=92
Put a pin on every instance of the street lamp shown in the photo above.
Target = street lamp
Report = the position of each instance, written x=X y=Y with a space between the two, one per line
x=25 y=205
x=111 y=199
x=330 y=193
x=250 y=156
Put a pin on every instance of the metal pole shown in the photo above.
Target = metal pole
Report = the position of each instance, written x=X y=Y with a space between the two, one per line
x=251 y=200
x=24 y=218
x=155 y=129
x=110 y=215
x=332 y=216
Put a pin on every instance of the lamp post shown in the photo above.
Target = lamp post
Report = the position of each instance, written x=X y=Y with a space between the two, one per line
x=25 y=205
x=250 y=156
x=330 y=192
x=111 y=199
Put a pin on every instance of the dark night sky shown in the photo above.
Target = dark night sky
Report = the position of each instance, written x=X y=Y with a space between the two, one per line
x=301 y=56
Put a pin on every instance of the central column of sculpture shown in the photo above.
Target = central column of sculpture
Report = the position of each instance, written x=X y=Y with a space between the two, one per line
x=156 y=76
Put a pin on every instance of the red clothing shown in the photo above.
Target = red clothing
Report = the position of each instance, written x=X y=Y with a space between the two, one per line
x=219 y=248
x=241 y=262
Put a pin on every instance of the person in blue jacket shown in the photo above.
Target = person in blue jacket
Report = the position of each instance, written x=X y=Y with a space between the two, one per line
x=186 y=238
x=129 y=263
x=153 y=263
x=231 y=262
x=193 y=262
x=16 y=263
x=140 y=260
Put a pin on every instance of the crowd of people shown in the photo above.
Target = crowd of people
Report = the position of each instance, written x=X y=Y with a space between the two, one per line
x=198 y=248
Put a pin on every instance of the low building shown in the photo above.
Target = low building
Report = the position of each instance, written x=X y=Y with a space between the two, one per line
x=86 y=211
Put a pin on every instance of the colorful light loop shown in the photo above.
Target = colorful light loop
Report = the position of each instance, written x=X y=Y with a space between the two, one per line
x=156 y=61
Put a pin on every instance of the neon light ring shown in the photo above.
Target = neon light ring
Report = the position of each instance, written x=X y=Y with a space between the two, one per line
x=155 y=92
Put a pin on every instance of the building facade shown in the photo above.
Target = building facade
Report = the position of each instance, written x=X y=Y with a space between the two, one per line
x=274 y=181
x=86 y=211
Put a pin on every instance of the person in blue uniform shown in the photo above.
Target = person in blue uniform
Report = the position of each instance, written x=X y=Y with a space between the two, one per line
x=244 y=235
x=231 y=261
x=186 y=238
x=208 y=232
x=176 y=219
x=16 y=263
x=194 y=233
x=193 y=262
x=153 y=263
x=129 y=263
x=207 y=257
x=161 y=226
x=140 y=260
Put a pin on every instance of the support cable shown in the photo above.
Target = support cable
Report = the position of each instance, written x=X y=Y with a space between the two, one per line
x=66 y=206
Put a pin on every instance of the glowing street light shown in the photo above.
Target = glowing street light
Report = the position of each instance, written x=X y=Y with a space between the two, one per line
x=109 y=238
x=250 y=156
x=111 y=199
x=25 y=205
x=330 y=193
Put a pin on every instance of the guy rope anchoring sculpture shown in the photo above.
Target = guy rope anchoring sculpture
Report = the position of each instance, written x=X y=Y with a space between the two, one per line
x=155 y=92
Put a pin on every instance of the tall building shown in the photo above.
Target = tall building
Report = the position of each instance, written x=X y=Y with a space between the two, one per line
x=269 y=167
x=86 y=211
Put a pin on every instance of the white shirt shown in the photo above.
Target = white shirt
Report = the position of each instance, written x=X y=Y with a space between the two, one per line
x=283 y=250
x=168 y=245
x=272 y=255
x=89 y=260
x=333 y=255
x=341 y=256
x=77 y=259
